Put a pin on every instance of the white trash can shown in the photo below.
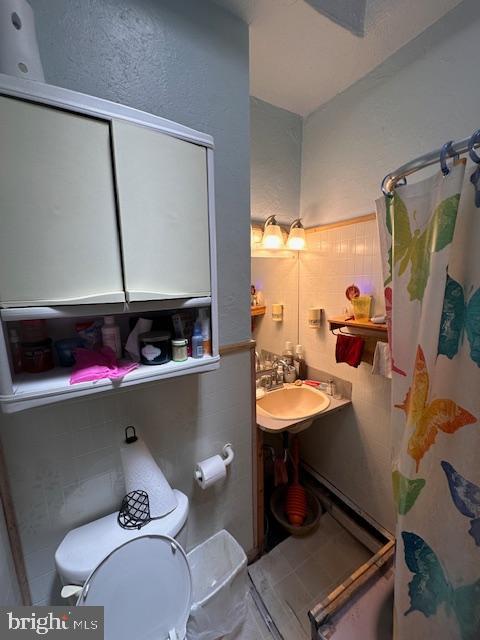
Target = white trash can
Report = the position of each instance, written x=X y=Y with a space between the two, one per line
x=219 y=577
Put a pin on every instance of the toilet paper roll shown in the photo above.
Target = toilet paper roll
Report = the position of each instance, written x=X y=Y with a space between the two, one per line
x=142 y=473
x=209 y=471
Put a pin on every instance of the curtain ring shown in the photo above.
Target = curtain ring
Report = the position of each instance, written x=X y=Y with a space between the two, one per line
x=447 y=152
x=471 y=143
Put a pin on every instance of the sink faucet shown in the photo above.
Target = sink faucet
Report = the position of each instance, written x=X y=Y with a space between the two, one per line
x=269 y=378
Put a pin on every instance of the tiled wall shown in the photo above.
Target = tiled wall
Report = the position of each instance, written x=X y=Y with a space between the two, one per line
x=277 y=279
x=9 y=592
x=65 y=467
x=351 y=448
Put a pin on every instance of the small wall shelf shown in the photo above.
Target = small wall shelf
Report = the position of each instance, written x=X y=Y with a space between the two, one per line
x=369 y=331
x=257 y=311
x=340 y=321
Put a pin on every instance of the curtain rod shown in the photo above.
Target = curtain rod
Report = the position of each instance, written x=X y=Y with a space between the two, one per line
x=458 y=148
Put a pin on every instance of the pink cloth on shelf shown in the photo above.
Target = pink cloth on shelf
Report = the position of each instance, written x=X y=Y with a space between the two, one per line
x=97 y=365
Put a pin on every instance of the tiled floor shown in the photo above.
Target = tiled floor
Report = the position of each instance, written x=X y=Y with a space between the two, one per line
x=300 y=572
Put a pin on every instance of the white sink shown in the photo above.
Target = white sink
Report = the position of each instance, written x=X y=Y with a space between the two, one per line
x=291 y=407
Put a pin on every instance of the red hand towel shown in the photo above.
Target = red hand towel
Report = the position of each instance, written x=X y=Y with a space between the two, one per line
x=349 y=349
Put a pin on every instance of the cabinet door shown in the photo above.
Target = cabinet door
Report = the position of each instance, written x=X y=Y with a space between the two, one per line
x=59 y=239
x=163 y=205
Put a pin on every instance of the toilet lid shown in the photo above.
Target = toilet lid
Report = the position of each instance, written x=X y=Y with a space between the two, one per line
x=145 y=587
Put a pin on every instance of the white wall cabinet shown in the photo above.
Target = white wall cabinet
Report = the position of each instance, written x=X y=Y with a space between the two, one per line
x=163 y=209
x=103 y=210
x=58 y=236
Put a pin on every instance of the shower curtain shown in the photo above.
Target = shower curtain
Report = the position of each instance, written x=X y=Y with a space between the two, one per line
x=430 y=239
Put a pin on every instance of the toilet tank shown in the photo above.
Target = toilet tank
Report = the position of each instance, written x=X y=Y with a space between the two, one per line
x=85 y=547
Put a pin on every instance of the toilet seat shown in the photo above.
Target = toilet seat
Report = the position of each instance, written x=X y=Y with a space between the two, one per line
x=145 y=587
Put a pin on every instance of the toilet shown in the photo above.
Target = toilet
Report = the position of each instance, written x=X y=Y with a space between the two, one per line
x=149 y=587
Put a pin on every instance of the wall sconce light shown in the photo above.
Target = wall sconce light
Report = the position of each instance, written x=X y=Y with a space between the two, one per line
x=296 y=236
x=272 y=234
x=256 y=235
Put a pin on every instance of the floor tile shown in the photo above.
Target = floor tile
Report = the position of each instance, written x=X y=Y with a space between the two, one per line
x=292 y=593
x=314 y=578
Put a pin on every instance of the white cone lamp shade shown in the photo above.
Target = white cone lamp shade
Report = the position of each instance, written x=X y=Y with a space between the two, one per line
x=272 y=235
x=296 y=237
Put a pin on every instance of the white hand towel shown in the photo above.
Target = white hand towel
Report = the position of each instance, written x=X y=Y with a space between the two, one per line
x=382 y=362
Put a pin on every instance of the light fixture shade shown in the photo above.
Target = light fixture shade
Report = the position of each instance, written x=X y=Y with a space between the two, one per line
x=272 y=237
x=296 y=237
x=272 y=234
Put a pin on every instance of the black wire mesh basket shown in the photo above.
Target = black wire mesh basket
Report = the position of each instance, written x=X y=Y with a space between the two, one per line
x=134 y=511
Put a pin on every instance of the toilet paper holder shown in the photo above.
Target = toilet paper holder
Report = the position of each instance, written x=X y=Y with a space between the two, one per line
x=227 y=456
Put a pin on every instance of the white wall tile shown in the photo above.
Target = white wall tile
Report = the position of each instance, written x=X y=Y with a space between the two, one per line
x=65 y=467
x=351 y=449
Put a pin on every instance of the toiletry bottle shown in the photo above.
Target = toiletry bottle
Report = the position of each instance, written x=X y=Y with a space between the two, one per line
x=15 y=350
x=111 y=336
x=205 y=322
x=197 y=341
x=300 y=364
x=288 y=352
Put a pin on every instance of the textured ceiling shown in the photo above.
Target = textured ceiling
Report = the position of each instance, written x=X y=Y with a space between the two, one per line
x=300 y=58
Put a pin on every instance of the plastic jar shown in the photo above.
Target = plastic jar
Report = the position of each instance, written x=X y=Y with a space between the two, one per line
x=180 y=350
x=37 y=356
x=155 y=347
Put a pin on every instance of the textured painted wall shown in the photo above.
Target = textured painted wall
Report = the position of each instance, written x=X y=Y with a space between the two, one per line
x=187 y=61
x=180 y=59
x=424 y=95
x=276 y=156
